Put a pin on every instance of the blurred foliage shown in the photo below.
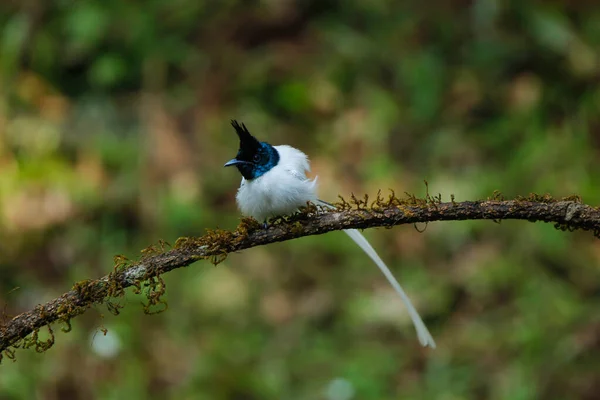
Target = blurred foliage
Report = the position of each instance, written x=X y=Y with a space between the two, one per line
x=114 y=127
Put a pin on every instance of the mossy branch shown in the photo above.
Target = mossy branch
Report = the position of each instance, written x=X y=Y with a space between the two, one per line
x=145 y=274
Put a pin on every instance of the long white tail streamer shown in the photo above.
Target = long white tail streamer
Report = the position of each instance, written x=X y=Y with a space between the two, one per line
x=423 y=334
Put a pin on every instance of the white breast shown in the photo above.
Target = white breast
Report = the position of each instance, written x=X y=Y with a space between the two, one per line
x=282 y=190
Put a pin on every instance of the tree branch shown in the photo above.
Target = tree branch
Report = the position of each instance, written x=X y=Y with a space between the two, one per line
x=145 y=274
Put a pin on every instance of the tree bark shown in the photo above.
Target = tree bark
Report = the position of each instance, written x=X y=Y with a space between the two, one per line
x=145 y=274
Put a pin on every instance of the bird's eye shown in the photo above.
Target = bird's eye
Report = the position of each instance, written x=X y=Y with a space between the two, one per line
x=256 y=158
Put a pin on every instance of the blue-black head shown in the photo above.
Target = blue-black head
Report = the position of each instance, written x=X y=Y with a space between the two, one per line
x=254 y=158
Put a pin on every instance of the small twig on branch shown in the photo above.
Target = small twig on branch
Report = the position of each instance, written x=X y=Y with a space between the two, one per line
x=22 y=330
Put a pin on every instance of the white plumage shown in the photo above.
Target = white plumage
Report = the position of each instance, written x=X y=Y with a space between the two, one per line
x=285 y=188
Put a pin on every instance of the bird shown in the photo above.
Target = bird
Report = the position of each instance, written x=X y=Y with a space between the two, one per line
x=274 y=184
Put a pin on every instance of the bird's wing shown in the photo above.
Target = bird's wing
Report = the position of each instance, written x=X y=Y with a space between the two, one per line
x=296 y=174
x=293 y=161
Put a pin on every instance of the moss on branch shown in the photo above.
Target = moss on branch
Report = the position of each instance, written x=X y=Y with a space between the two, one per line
x=144 y=275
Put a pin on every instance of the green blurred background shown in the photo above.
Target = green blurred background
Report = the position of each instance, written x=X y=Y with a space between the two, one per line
x=114 y=126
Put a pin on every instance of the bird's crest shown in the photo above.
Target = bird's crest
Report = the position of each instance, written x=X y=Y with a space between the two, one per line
x=243 y=132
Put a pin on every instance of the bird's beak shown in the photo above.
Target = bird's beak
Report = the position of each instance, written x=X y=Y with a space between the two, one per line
x=231 y=162
x=235 y=161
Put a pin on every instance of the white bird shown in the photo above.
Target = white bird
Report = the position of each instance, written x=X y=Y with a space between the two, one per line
x=274 y=183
